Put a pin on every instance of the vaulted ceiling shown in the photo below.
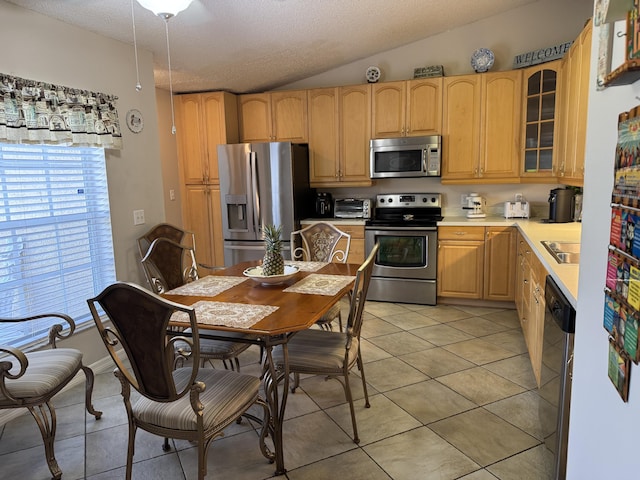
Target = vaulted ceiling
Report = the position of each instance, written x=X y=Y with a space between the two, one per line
x=255 y=45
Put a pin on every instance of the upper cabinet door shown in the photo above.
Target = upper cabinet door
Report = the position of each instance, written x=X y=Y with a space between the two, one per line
x=355 y=132
x=323 y=135
x=190 y=138
x=542 y=123
x=461 y=127
x=389 y=103
x=289 y=116
x=273 y=117
x=500 y=125
x=204 y=121
x=424 y=107
x=254 y=116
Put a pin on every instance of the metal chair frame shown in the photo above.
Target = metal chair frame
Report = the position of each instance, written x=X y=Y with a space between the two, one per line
x=15 y=365
x=140 y=343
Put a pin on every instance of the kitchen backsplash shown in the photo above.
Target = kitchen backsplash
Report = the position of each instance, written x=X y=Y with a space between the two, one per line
x=495 y=194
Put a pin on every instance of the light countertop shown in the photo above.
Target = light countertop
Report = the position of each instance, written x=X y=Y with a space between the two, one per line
x=534 y=231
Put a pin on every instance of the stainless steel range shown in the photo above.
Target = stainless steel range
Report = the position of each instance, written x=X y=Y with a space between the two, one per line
x=405 y=225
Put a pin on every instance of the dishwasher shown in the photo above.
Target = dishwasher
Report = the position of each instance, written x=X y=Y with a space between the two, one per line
x=556 y=374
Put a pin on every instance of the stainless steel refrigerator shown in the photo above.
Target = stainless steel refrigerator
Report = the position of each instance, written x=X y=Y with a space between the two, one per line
x=262 y=184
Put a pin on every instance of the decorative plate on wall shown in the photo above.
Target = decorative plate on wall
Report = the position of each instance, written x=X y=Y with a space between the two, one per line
x=135 y=121
x=482 y=60
x=373 y=74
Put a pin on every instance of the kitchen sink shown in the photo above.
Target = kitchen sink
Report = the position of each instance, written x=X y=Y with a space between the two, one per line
x=563 y=252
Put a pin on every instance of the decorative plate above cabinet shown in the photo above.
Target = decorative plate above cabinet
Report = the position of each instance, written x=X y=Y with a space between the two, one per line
x=482 y=60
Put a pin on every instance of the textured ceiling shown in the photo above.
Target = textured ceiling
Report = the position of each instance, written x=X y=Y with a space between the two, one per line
x=255 y=45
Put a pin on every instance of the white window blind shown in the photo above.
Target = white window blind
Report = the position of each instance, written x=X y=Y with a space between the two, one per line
x=56 y=249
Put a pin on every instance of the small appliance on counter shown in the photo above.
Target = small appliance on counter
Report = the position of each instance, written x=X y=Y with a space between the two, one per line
x=475 y=204
x=561 y=205
x=517 y=209
x=352 y=208
x=324 y=205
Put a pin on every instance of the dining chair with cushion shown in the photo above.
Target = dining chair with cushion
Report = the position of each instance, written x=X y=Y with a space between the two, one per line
x=319 y=242
x=168 y=265
x=189 y=402
x=30 y=379
x=163 y=230
x=171 y=232
x=334 y=354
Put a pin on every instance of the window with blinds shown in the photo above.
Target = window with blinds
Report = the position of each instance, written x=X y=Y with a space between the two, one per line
x=56 y=249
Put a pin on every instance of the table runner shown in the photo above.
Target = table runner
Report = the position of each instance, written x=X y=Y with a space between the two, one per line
x=319 y=284
x=307 y=266
x=208 y=286
x=238 y=315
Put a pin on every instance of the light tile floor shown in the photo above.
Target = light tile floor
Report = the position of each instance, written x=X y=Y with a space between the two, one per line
x=452 y=397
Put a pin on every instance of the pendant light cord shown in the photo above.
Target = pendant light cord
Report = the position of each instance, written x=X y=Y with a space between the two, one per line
x=173 y=120
x=135 y=49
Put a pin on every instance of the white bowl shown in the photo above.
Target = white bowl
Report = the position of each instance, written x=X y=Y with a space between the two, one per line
x=256 y=274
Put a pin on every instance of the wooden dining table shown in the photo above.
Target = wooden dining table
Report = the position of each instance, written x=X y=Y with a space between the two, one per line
x=269 y=314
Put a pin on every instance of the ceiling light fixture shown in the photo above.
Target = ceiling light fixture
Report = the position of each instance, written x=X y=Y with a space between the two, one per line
x=166 y=9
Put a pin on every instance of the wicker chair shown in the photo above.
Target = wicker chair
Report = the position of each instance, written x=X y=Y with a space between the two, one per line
x=319 y=243
x=322 y=352
x=187 y=403
x=31 y=379
x=168 y=265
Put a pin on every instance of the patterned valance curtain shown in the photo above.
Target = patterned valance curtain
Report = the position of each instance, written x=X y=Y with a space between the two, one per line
x=38 y=112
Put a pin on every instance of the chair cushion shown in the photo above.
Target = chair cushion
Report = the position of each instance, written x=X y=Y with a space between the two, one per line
x=48 y=370
x=318 y=351
x=226 y=396
x=222 y=349
x=331 y=315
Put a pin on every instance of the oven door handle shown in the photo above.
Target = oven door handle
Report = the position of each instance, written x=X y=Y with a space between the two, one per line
x=400 y=229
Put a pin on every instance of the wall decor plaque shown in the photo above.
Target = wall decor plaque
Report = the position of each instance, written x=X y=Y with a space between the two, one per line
x=427 y=72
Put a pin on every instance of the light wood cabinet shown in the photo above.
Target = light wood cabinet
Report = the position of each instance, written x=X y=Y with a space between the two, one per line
x=530 y=302
x=407 y=108
x=460 y=262
x=499 y=265
x=339 y=133
x=541 y=104
x=574 y=93
x=203 y=216
x=356 y=248
x=275 y=116
x=477 y=263
x=203 y=121
x=481 y=127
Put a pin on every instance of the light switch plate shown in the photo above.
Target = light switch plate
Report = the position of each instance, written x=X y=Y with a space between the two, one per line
x=138 y=217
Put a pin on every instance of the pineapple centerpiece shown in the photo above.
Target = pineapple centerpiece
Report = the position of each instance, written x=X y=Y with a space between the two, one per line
x=273 y=262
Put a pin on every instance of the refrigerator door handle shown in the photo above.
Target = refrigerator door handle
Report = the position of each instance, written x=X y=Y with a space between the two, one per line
x=255 y=194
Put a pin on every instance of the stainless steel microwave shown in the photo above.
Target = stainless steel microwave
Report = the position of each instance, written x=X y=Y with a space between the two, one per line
x=406 y=157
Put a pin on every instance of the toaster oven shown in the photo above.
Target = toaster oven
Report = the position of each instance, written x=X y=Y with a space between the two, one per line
x=352 y=208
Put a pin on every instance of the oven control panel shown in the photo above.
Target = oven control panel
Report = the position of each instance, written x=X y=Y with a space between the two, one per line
x=412 y=200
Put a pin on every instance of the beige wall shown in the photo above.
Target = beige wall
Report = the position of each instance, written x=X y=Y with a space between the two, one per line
x=37 y=47
x=40 y=48
x=537 y=25
x=168 y=159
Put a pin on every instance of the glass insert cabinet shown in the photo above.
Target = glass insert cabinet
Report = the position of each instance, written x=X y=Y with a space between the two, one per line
x=540 y=117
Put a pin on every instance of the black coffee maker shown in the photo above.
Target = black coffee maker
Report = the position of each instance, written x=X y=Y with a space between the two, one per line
x=324 y=205
x=561 y=205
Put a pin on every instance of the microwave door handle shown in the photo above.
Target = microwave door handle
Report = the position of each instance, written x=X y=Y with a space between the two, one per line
x=425 y=157
x=255 y=197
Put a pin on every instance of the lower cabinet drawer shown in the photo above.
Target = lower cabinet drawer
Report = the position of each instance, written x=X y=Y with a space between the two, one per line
x=461 y=233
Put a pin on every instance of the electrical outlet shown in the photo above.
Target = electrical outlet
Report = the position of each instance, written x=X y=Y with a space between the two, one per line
x=172 y=194
x=138 y=217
